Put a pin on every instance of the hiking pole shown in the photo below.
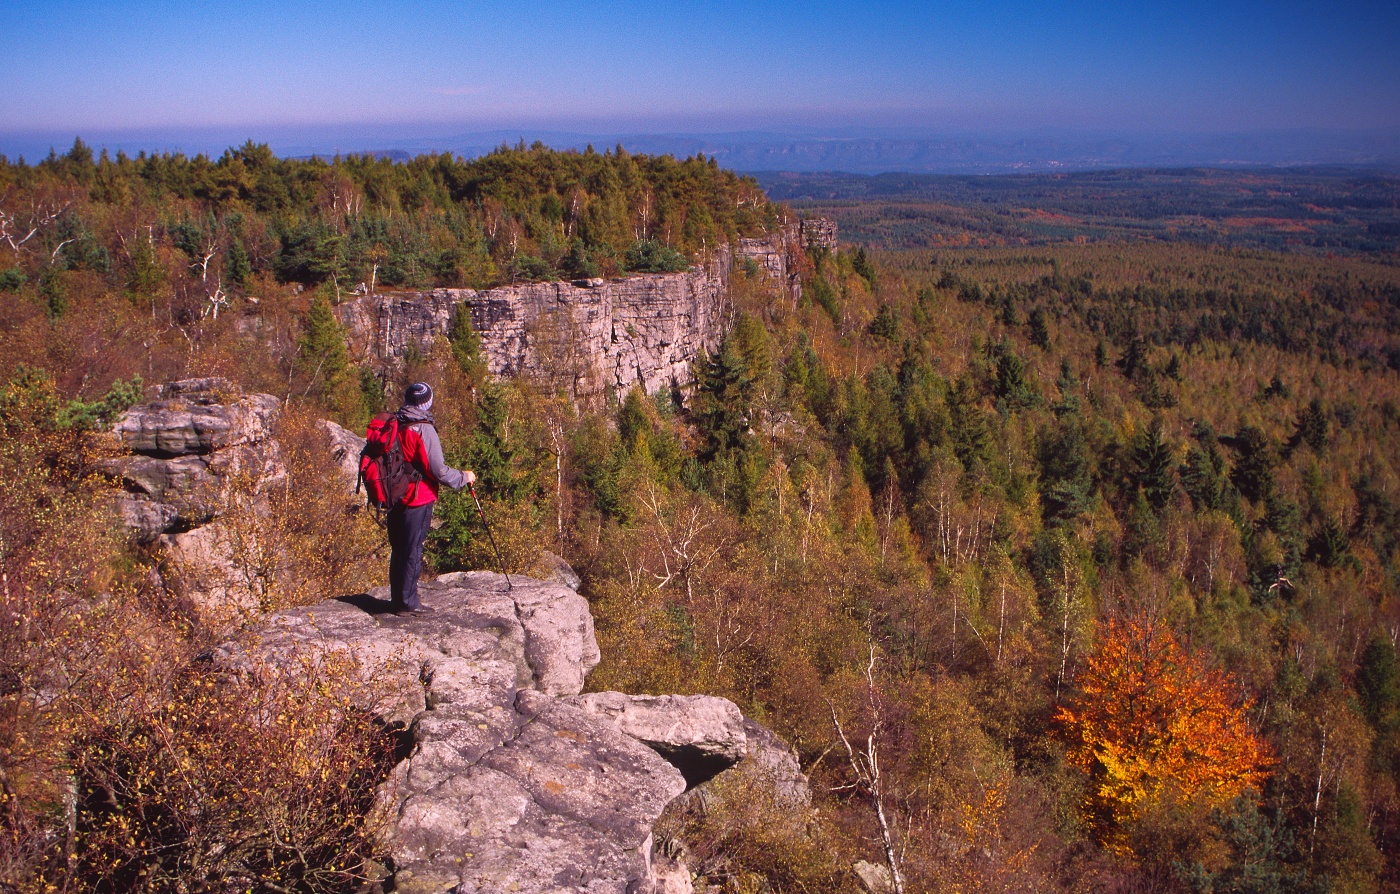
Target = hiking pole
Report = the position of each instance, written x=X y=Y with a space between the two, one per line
x=481 y=512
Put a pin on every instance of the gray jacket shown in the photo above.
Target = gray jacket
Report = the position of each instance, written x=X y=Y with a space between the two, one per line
x=420 y=420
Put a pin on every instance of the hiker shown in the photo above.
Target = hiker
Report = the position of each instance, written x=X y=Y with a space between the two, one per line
x=409 y=518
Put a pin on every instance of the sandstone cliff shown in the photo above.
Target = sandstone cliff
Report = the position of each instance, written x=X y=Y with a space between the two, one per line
x=515 y=781
x=594 y=334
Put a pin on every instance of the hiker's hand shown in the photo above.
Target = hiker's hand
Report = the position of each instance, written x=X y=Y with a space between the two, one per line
x=471 y=477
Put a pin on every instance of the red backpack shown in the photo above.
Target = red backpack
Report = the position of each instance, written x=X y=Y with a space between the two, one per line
x=384 y=472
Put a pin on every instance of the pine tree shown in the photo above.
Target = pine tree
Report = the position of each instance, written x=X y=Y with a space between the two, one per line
x=721 y=405
x=1068 y=385
x=721 y=410
x=1066 y=488
x=1153 y=466
x=237 y=265
x=1134 y=360
x=1312 y=426
x=1254 y=472
x=1378 y=683
x=321 y=350
x=1039 y=328
x=466 y=345
x=1012 y=387
x=884 y=325
x=489 y=452
x=967 y=424
x=860 y=263
x=1200 y=475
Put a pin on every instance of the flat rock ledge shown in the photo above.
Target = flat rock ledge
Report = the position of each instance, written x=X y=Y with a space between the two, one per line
x=515 y=782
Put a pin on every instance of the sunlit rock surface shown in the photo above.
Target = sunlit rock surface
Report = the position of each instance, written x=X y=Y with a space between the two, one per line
x=589 y=335
x=514 y=781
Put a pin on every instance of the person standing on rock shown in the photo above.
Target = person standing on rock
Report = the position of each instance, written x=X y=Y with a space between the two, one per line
x=409 y=518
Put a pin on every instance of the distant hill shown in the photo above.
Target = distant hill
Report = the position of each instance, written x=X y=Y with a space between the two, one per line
x=853 y=150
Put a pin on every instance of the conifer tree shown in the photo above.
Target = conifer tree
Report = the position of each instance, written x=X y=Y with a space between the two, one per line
x=489 y=452
x=1153 y=466
x=1378 y=683
x=321 y=350
x=466 y=345
x=237 y=265
x=1066 y=486
x=1254 y=472
x=967 y=424
x=1012 y=387
x=1312 y=426
x=1039 y=328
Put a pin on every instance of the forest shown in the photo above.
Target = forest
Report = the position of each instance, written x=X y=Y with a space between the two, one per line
x=1342 y=210
x=1071 y=565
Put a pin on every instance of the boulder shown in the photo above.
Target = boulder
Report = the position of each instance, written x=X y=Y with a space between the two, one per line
x=553 y=568
x=874 y=878
x=700 y=735
x=559 y=642
x=345 y=450
x=197 y=417
x=772 y=764
x=202 y=457
x=194 y=447
x=510 y=785
x=564 y=803
x=215 y=573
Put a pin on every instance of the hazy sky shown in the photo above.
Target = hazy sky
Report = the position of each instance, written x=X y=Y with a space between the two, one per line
x=88 y=67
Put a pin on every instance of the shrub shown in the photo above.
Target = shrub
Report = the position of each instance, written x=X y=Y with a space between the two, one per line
x=652 y=256
x=11 y=279
x=531 y=268
x=226 y=783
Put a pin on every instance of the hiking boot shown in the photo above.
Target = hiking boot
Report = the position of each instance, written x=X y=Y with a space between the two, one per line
x=416 y=610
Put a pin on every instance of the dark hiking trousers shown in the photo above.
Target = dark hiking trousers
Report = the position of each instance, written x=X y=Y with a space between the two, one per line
x=408 y=526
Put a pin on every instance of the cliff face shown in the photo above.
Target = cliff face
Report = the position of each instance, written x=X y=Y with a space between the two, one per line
x=588 y=335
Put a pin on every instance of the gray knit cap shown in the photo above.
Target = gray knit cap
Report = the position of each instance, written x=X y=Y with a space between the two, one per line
x=419 y=394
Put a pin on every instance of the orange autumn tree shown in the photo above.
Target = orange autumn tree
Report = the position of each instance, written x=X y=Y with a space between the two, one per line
x=1151 y=721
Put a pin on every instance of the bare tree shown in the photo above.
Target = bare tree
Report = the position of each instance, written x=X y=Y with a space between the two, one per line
x=865 y=764
x=17 y=228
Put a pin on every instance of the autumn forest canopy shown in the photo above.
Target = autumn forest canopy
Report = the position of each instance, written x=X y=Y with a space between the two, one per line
x=1088 y=539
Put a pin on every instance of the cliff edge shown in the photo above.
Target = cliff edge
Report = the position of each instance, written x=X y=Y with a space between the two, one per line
x=515 y=781
x=594 y=334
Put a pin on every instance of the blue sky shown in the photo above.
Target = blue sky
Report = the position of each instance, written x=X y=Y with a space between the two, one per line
x=112 y=66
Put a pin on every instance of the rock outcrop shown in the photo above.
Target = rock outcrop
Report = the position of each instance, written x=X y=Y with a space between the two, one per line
x=590 y=334
x=515 y=780
x=699 y=734
x=188 y=445
x=203 y=453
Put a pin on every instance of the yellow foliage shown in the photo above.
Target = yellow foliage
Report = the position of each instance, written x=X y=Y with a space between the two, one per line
x=1150 y=722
